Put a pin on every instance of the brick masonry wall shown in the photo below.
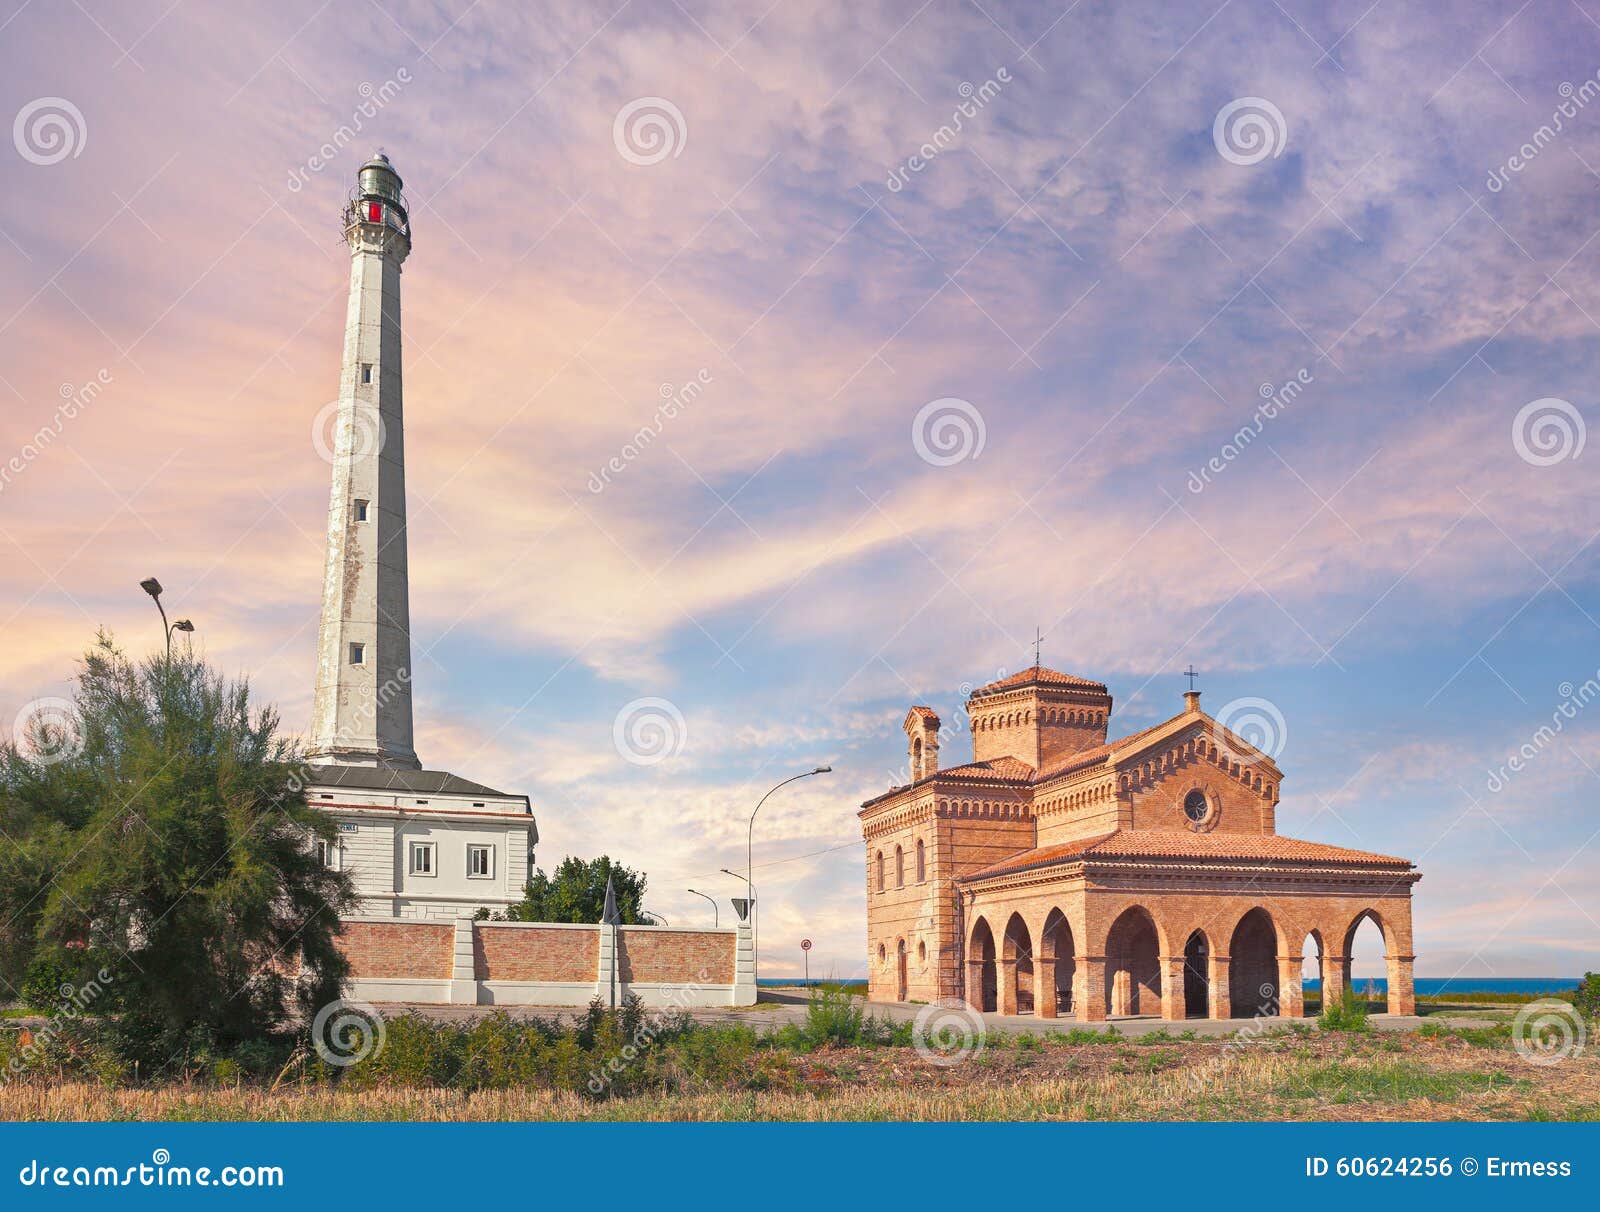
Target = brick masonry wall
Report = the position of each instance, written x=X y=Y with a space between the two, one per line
x=675 y=956
x=923 y=914
x=1242 y=809
x=398 y=950
x=529 y=953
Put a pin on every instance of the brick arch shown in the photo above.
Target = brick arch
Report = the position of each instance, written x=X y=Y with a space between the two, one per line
x=1312 y=944
x=1017 y=968
x=1198 y=949
x=1349 y=936
x=1058 y=950
x=1253 y=972
x=1393 y=965
x=982 y=973
x=1134 y=946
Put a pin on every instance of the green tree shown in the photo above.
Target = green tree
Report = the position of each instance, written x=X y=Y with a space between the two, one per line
x=1587 y=997
x=166 y=841
x=577 y=893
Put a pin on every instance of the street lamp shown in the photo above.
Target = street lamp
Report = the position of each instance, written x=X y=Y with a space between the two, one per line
x=716 y=917
x=749 y=863
x=153 y=587
x=749 y=896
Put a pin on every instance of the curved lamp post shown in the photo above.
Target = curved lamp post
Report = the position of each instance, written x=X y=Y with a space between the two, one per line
x=153 y=587
x=749 y=865
x=749 y=895
x=716 y=917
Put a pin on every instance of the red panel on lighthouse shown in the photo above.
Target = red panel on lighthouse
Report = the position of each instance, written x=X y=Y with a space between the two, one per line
x=374 y=212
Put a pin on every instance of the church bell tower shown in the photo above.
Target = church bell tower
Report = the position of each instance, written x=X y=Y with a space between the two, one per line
x=361 y=713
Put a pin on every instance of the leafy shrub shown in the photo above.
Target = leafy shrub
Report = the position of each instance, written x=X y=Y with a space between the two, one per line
x=832 y=1017
x=604 y=1053
x=1587 y=997
x=1348 y=1013
x=41 y=988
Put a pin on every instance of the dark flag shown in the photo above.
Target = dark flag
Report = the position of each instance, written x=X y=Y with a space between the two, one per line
x=610 y=916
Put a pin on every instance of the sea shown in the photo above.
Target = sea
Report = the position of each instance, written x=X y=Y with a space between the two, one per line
x=1426 y=985
x=1430 y=985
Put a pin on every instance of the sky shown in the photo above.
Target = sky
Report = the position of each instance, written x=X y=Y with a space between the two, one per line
x=1258 y=338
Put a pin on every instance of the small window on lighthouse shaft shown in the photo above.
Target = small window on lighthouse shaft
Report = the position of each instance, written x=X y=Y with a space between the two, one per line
x=366 y=372
x=358 y=654
x=361 y=511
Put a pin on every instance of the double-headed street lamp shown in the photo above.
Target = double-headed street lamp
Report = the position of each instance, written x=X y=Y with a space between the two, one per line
x=749 y=864
x=153 y=587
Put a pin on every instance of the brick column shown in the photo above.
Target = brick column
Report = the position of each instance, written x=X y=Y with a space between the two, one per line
x=1174 y=1006
x=1291 y=994
x=1402 y=997
x=1007 y=970
x=1221 y=999
x=1089 y=988
x=975 y=984
x=1335 y=978
x=1044 y=988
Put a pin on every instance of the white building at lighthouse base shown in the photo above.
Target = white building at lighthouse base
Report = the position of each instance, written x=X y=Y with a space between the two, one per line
x=424 y=844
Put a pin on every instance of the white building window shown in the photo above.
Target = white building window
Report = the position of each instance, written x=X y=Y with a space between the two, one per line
x=422 y=859
x=358 y=654
x=361 y=511
x=480 y=862
x=327 y=853
x=366 y=372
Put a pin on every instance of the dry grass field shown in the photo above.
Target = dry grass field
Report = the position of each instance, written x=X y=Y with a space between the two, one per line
x=1304 y=1075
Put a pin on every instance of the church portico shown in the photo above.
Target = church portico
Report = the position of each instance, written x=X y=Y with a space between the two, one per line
x=1136 y=878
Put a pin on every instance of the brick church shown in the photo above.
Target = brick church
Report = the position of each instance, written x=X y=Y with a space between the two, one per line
x=1063 y=875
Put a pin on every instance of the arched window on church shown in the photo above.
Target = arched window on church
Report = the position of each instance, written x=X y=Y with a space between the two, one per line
x=880 y=871
x=899 y=867
x=922 y=862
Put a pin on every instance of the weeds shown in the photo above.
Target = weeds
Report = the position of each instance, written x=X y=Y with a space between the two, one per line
x=1349 y=1013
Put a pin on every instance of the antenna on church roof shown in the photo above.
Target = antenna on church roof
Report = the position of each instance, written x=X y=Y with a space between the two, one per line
x=1038 y=641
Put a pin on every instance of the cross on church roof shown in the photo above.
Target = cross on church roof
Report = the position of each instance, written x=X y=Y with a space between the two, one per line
x=1191 y=674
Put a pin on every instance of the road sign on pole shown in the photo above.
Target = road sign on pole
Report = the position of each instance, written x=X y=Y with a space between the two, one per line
x=805 y=946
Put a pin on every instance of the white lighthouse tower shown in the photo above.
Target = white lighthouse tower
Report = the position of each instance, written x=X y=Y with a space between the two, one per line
x=418 y=843
x=361 y=714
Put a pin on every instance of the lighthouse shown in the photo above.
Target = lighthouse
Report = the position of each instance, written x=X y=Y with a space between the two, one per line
x=361 y=713
x=416 y=843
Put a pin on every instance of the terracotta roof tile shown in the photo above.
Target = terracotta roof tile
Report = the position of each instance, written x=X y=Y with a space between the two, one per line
x=1042 y=856
x=1181 y=844
x=1045 y=677
x=1088 y=757
x=1007 y=769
